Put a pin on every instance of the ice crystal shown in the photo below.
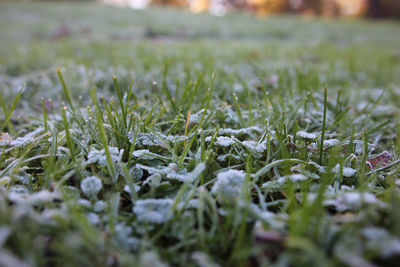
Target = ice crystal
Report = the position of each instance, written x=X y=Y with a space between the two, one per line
x=348 y=172
x=381 y=240
x=224 y=141
x=146 y=139
x=124 y=236
x=93 y=218
x=239 y=132
x=225 y=157
x=33 y=199
x=330 y=143
x=99 y=156
x=153 y=180
x=91 y=186
x=295 y=177
x=136 y=172
x=84 y=203
x=176 y=138
x=27 y=138
x=353 y=201
x=228 y=185
x=99 y=206
x=305 y=135
x=145 y=154
x=255 y=147
x=192 y=204
x=127 y=188
x=152 y=210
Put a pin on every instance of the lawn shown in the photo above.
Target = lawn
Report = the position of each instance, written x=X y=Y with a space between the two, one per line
x=159 y=137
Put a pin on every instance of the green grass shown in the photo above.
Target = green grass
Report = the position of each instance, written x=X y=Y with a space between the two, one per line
x=205 y=148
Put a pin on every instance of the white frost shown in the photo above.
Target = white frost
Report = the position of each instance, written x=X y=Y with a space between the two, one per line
x=152 y=210
x=305 y=135
x=297 y=177
x=91 y=186
x=228 y=185
x=99 y=156
x=348 y=172
x=353 y=201
x=224 y=141
x=330 y=143
x=128 y=190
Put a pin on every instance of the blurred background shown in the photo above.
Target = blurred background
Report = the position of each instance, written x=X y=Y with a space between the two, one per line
x=269 y=44
x=326 y=8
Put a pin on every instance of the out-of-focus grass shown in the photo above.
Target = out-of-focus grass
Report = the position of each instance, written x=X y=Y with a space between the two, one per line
x=213 y=156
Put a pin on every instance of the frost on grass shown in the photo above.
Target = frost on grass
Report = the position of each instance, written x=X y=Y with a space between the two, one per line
x=145 y=154
x=124 y=237
x=227 y=157
x=136 y=172
x=22 y=197
x=306 y=135
x=28 y=138
x=330 y=143
x=255 y=147
x=228 y=185
x=224 y=141
x=172 y=172
x=145 y=139
x=276 y=185
x=99 y=206
x=380 y=240
x=152 y=210
x=348 y=172
x=99 y=156
x=251 y=131
x=91 y=186
x=128 y=190
x=93 y=218
x=297 y=177
x=350 y=201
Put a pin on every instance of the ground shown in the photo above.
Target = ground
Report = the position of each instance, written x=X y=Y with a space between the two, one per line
x=160 y=137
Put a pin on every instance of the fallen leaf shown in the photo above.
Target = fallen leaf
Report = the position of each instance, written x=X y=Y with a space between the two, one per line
x=379 y=160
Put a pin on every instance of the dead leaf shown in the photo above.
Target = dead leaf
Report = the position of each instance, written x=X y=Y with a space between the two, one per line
x=379 y=160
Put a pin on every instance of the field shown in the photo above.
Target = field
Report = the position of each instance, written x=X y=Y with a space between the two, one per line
x=159 y=137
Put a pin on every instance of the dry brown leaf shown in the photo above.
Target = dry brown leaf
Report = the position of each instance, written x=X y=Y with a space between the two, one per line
x=379 y=160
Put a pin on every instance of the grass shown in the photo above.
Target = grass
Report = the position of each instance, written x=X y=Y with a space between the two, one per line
x=239 y=142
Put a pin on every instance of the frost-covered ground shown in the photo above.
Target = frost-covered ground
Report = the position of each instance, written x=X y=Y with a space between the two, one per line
x=225 y=149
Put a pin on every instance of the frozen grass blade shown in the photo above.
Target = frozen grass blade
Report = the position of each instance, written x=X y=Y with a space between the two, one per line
x=321 y=151
x=44 y=111
x=121 y=101
x=102 y=134
x=65 y=89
